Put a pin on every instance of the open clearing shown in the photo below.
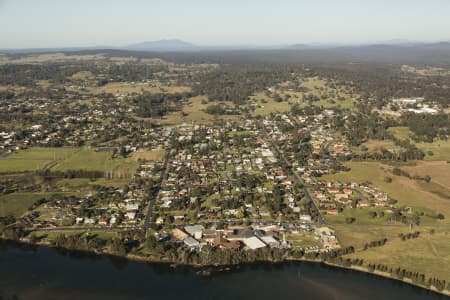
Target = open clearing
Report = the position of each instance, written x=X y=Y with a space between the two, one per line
x=51 y=57
x=138 y=88
x=86 y=184
x=407 y=191
x=428 y=254
x=63 y=159
x=192 y=112
x=439 y=148
x=361 y=216
x=17 y=204
x=267 y=105
x=155 y=155
x=90 y=160
x=400 y=132
x=83 y=75
x=438 y=170
x=33 y=159
x=376 y=146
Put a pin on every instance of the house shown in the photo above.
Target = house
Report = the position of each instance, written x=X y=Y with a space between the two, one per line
x=209 y=235
x=195 y=230
x=339 y=197
x=132 y=207
x=305 y=218
x=333 y=190
x=178 y=217
x=270 y=241
x=222 y=243
x=191 y=242
x=240 y=234
x=89 y=221
x=363 y=203
x=254 y=243
x=131 y=215
x=332 y=212
x=347 y=191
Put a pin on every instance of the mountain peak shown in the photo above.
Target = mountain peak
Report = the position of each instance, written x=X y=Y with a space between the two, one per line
x=164 y=45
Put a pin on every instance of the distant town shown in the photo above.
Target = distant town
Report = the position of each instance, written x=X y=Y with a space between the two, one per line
x=208 y=164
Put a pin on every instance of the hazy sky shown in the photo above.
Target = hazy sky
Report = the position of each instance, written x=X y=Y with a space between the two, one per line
x=53 y=23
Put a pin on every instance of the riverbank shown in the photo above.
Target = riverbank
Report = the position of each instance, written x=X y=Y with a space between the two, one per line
x=388 y=276
x=208 y=269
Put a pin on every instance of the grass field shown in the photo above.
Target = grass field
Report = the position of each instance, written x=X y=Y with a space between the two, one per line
x=438 y=170
x=51 y=57
x=406 y=191
x=400 y=132
x=193 y=112
x=63 y=159
x=440 y=148
x=33 y=159
x=361 y=216
x=17 y=204
x=268 y=105
x=156 y=155
x=302 y=240
x=103 y=234
x=318 y=87
x=90 y=160
x=85 y=184
x=83 y=75
x=376 y=146
x=357 y=235
x=129 y=88
x=428 y=254
x=315 y=86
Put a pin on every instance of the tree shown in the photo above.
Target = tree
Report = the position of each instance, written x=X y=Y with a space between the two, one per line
x=118 y=247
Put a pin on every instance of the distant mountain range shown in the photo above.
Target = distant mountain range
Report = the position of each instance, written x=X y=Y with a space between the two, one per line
x=183 y=46
x=177 y=45
x=164 y=45
x=395 y=51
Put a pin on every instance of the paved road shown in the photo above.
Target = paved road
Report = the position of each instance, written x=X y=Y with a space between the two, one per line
x=154 y=195
x=299 y=182
x=82 y=228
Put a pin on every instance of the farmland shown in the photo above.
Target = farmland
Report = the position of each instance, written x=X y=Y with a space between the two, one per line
x=438 y=150
x=430 y=254
x=63 y=159
x=129 y=88
x=35 y=159
x=406 y=191
x=90 y=160
x=152 y=155
x=17 y=204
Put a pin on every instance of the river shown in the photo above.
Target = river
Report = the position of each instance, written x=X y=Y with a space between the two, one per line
x=43 y=273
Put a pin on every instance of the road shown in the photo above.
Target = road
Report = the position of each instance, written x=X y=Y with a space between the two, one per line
x=154 y=195
x=84 y=228
x=297 y=180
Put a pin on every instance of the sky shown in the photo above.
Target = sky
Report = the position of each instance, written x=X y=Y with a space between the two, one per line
x=69 y=23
